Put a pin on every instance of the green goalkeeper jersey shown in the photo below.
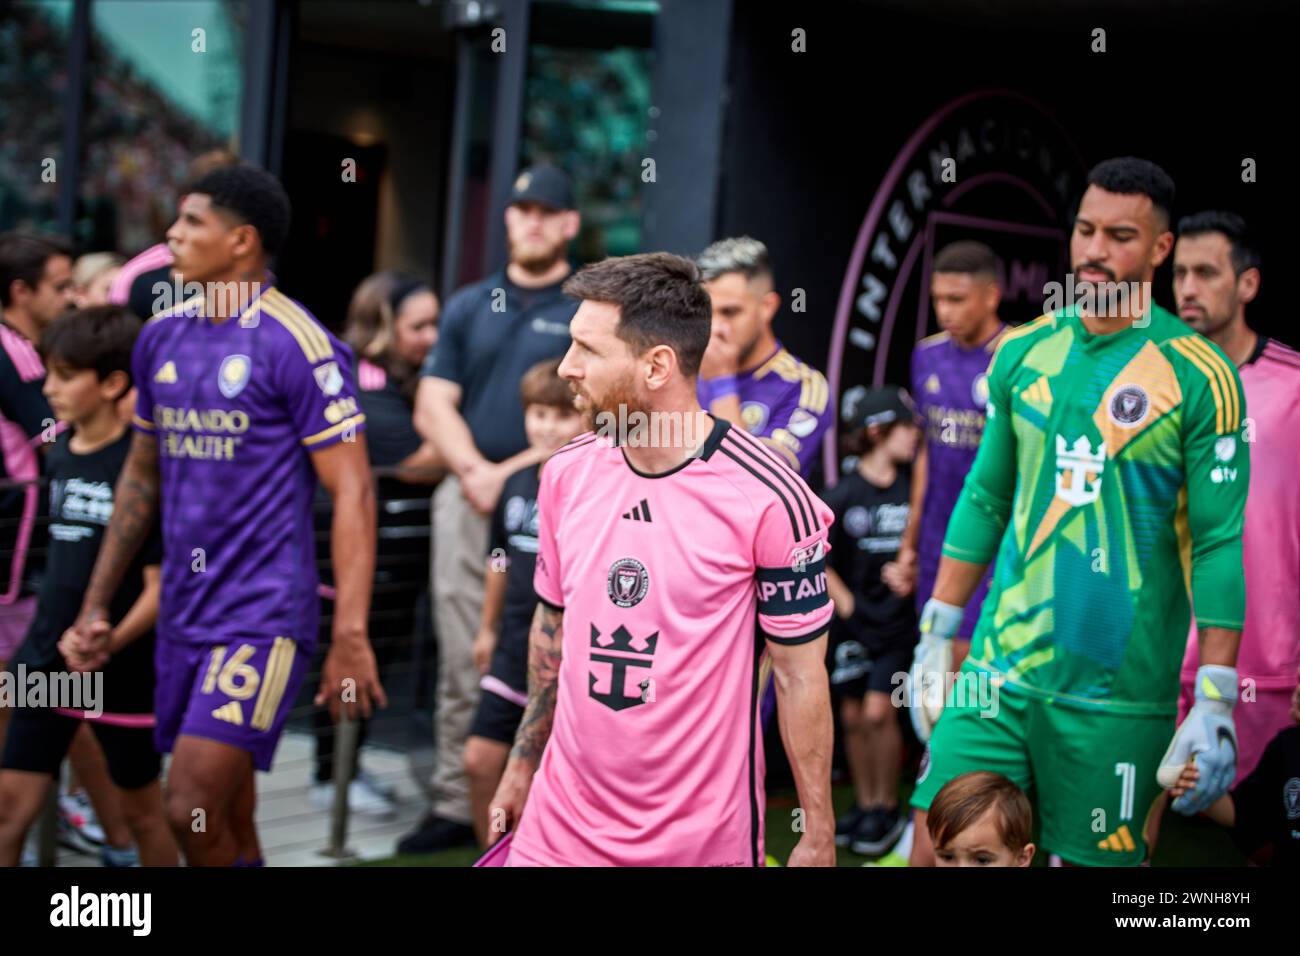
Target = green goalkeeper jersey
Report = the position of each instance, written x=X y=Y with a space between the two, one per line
x=1110 y=487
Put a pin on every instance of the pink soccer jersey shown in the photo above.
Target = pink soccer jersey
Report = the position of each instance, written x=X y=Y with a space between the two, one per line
x=1270 y=639
x=670 y=584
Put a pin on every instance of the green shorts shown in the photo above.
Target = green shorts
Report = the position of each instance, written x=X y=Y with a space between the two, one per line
x=1090 y=775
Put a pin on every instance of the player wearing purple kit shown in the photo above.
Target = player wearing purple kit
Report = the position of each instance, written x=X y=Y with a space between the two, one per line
x=948 y=386
x=747 y=376
x=244 y=400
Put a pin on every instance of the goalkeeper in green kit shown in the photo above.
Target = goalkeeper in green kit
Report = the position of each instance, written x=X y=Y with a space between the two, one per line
x=1109 y=493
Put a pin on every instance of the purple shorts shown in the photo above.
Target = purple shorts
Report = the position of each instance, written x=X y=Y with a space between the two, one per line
x=238 y=693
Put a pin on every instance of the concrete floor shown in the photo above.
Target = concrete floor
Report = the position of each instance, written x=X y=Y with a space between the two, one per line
x=294 y=833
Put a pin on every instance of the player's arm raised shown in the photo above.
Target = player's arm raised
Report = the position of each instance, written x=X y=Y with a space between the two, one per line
x=1216 y=463
x=344 y=472
x=545 y=652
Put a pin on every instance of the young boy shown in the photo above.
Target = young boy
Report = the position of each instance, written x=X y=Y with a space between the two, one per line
x=88 y=361
x=1263 y=811
x=501 y=647
x=874 y=630
x=981 y=819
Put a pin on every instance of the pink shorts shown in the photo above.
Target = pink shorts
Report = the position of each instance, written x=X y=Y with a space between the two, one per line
x=1258 y=721
x=14 y=620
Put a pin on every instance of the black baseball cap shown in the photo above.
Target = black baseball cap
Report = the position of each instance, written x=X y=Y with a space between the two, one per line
x=542 y=184
x=863 y=407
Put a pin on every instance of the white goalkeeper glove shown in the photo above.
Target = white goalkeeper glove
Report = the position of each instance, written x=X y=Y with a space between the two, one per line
x=1208 y=735
x=927 y=681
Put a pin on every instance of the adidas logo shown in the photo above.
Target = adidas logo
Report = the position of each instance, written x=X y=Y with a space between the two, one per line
x=640 y=513
x=1040 y=392
x=1121 y=841
x=167 y=374
x=230 y=713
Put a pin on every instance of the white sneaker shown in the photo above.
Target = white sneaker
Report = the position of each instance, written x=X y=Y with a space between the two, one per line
x=362 y=798
x=79 y=828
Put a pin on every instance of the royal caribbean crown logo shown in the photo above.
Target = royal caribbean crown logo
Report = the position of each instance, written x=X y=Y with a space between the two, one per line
x=622 y=653
x=1078 y=470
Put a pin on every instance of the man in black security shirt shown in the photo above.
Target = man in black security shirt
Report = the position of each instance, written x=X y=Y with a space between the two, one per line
x=88 y=354
x=467 y=405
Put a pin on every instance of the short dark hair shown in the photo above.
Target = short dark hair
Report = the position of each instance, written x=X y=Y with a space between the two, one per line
x=23 y=257
x=98 y=338
x=660 y=302
x=1232 y=227
x=967 y=257
x=968 y=796
x=254 y=196
x=542 y=385
x=1131 y=174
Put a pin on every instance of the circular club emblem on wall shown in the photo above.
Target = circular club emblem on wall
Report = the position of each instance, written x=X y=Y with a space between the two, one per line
x=1129 y=405
x=993 y=166
x=628 y=582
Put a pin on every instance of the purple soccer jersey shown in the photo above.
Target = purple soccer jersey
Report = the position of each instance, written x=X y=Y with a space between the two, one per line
x=785 y=403
x=949 y=388
x=236 y=408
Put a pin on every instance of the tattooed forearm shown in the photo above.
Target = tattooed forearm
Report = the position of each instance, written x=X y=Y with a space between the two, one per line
x=135 y=506
x=545 y=642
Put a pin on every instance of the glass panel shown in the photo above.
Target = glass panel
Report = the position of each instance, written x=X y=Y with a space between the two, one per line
x=165 y=84
x=586 y=109
x=33 y=74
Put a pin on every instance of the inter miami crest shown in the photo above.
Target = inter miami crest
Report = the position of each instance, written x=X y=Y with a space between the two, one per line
x=1128 y=406
x=624 y=651
x=628 y=582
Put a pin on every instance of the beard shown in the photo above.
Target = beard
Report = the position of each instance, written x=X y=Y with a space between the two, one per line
x=535 y=257
x=608 y=408
x=1109 y=296
x=1208 y=322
